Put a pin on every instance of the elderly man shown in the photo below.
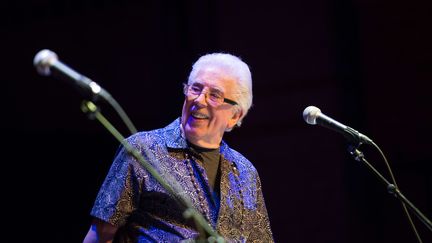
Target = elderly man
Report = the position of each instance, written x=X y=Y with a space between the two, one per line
x=222 y=185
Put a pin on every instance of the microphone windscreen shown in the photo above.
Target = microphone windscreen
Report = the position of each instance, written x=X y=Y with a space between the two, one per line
x=310 y=114
x=43 y=61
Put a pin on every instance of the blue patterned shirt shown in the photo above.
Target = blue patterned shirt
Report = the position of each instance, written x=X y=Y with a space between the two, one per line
x=133 y=200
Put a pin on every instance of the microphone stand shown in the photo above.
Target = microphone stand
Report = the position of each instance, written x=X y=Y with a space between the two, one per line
x=203 y=226
x=391 y=188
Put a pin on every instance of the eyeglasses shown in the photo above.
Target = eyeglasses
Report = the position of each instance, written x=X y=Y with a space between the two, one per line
x=213 y=96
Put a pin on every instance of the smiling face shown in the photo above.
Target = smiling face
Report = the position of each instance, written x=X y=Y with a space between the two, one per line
x=204 y=124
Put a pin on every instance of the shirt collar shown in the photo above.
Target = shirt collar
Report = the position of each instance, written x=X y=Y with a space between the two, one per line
x=175 y=138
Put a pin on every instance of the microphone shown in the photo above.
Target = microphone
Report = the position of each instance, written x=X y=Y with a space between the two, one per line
x=313 y=115
x=47 y=63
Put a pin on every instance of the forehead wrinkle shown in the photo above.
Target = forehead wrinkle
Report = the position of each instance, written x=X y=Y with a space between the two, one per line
x=210 y=86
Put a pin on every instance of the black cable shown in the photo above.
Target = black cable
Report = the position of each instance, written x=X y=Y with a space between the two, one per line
x=397 y=188
x=116 y=106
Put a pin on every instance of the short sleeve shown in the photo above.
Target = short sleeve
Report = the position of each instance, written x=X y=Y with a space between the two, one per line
x=119 y=194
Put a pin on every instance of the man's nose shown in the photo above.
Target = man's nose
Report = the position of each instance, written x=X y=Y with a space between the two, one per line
x=201 y=99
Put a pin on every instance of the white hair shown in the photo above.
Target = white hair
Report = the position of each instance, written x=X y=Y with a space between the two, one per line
x=234 y=67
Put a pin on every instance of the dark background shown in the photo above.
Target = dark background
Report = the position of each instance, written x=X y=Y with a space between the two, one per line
x=366 y=63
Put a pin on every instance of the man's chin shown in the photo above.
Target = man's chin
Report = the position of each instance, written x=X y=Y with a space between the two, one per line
x=193 y=132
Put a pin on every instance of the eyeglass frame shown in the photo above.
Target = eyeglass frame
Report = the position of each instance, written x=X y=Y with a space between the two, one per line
x=186 y=89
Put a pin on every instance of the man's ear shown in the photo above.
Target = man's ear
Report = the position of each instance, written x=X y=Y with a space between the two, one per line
x=234 y=119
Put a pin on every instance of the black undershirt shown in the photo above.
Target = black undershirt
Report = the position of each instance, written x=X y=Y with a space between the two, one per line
x=211 y=160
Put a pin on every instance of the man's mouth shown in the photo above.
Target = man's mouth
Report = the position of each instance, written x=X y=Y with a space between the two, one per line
x=198 y=115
